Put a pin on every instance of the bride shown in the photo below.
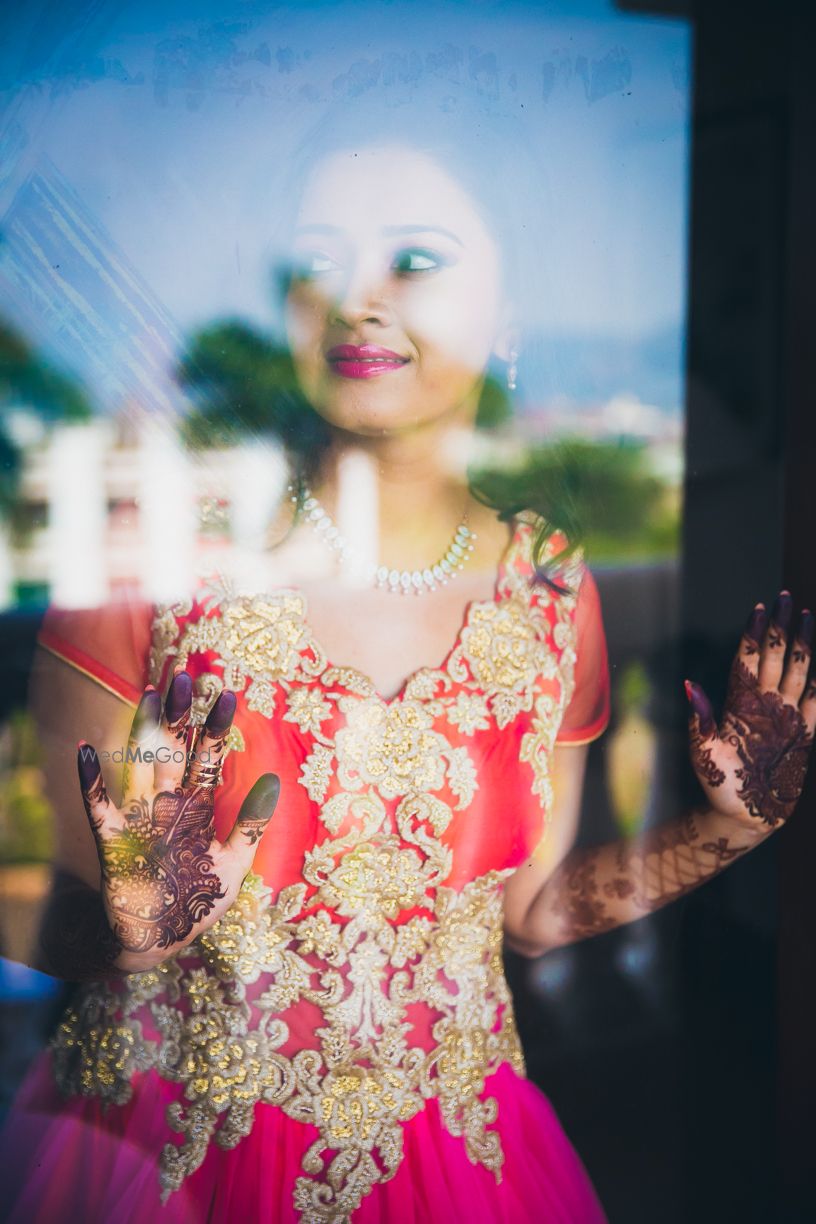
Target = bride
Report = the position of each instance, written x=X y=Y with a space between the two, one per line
x=350 y=779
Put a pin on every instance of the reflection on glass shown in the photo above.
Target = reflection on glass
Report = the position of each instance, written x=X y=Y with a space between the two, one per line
x=376 y=444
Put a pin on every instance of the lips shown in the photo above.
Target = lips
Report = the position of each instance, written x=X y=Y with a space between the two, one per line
x=363 y=352
x=363 y=360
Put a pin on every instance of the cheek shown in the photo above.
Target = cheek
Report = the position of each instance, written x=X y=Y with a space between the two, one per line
x=303 y=327
x=457 y=325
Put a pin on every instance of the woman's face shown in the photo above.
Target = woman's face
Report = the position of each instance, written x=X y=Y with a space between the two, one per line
x=389 y=251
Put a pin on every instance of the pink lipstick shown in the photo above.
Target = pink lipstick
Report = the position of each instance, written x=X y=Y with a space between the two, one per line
x=363 y=360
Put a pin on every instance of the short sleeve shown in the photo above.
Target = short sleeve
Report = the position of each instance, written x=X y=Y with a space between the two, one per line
x=588 y=711
x=109 y=643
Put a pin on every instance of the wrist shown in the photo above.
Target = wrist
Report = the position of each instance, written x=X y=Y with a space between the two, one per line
x=137 y=962
x=741 y=833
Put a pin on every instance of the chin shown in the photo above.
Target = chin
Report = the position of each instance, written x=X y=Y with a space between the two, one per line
x=380 y=426
x=373 y=420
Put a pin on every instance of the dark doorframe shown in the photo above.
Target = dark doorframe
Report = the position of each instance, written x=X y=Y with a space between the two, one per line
x=749 y=963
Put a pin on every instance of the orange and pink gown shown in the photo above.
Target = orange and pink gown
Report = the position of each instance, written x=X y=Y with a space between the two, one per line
x=341 y=1045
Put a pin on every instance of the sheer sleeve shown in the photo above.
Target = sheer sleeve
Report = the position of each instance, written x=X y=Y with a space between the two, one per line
x=587 y=713
x=109 y=643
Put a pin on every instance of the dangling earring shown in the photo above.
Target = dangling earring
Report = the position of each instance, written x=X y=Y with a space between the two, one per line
x=512 y=370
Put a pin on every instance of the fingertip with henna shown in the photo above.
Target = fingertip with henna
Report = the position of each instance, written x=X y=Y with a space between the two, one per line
x=148 y=711
x=782 y=610
x=262 y=799
x=755 y=624
x=701 y=706
x=179 y=696
x=255 y=815
x=87 y=764
x=220 y=716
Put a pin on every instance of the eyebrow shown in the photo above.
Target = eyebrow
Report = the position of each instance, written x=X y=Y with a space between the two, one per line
x=388 y=230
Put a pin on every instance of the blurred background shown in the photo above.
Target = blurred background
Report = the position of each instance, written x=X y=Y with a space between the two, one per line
x=139 y=344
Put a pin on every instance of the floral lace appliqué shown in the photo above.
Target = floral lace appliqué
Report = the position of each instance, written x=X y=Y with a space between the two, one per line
x=372 y=932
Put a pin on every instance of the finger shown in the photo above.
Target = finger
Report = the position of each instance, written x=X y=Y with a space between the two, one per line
x=751 y=640
x=137 y=776
x=173 y=733
x=253 y=818
x=796 y=669
x=704 y=736
x=103 y=817
x=701 y=715
x=772 y=653
x=745 y=665
x=807 y=706
x=208 y=750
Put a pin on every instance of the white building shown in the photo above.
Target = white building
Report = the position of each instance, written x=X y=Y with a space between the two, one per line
x=119 y=503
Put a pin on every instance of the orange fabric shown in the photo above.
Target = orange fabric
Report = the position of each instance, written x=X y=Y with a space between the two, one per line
x=385 y=860
x=110 y=642
x=505 y=780
x=119 y=634
x=588 y=712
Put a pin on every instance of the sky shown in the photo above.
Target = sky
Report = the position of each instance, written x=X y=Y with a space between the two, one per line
x=156 y=129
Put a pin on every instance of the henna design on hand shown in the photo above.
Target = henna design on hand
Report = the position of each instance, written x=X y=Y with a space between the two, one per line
x=159 y=871
x=214 y=734
x=700 y=734
x=253 y=829
x=157 y=867
x=163 y=870
x=257 y=807
x=145 y=722
x=759 y=755
x=772 y=742
x=178 y=706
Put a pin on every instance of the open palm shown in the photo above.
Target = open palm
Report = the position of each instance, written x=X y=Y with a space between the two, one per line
x=165 y=876
x=752 y=765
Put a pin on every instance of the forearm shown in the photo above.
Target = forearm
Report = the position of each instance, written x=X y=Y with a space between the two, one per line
x=598 y=888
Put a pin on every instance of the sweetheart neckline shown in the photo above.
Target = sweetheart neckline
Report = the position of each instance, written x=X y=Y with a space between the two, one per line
x=508 y=555
x=506 y=564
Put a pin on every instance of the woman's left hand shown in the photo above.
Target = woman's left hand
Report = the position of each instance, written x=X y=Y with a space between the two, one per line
x=752 y=767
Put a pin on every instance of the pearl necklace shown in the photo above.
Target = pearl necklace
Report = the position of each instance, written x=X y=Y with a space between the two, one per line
x=402 y=582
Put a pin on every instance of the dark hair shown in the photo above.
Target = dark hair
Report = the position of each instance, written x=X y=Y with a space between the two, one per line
x=490 y=155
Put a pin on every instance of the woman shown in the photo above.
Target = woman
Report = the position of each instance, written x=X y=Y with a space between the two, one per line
x=294 y=1008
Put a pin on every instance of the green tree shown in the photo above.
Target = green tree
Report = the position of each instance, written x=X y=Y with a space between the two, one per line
x=243 y=385
x=601 y=491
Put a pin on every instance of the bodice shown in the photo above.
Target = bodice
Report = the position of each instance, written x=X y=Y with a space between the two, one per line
x=359 y=971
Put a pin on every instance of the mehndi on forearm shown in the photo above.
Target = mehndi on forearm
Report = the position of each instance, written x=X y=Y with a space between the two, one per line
x=75 y=940
x=598 y=888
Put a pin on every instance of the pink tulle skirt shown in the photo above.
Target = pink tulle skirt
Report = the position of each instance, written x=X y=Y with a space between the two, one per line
x=68 y=1160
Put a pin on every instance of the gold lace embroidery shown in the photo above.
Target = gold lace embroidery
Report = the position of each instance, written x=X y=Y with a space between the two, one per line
x=223 y=1045
x=387 y=778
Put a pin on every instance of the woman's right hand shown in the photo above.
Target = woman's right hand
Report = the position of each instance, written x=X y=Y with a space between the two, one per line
x=165 y=876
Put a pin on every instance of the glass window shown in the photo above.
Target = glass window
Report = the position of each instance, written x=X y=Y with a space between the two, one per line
x=369 y=383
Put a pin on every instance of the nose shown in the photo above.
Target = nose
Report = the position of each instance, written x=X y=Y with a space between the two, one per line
x=362 y=296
